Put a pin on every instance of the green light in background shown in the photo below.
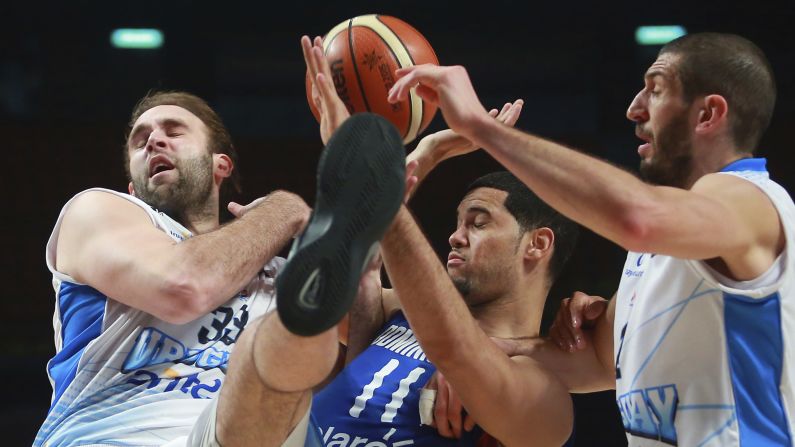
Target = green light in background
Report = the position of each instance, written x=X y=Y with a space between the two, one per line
x=658 y=35
x=137 y=38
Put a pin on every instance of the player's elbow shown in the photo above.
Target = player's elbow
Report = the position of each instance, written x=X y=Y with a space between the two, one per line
x=637 y=229
x=444 y=354
x=184 y=300
x=548 y=424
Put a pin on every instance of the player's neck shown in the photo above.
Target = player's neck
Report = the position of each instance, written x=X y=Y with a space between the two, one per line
x=712 y=159
x=201 y=219
x=513 y=315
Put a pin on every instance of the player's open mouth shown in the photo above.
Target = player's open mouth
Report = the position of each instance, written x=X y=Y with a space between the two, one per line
x=645 y=149
x=158 y=164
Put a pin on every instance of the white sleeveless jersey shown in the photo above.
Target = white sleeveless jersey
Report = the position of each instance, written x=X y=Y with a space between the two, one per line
x=702 y=360
x=122 y=377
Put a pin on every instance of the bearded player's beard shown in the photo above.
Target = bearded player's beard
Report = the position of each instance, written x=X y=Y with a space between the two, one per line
x=672 y=161
x=187 y=195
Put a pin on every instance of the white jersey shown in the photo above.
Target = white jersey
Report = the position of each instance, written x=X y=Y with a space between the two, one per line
x=123 y=377
x=702 y=360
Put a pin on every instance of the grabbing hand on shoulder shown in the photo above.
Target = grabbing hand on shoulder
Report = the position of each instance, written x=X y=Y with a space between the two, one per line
x=575 y=314
x=289 y=202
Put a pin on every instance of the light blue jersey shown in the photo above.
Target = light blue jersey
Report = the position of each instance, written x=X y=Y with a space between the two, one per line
x=122 y=377
x=702 y=360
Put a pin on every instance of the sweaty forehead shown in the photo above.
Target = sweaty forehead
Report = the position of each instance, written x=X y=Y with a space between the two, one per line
x=168 y=112
x=489 y=199
x=664 y=66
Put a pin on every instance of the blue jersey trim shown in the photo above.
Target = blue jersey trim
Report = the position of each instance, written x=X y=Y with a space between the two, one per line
x=81 y=309
x=313 y=438
x=756 y=352
x=746 y=164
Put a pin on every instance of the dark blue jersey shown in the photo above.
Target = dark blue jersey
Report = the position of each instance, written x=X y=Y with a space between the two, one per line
x=375 y=399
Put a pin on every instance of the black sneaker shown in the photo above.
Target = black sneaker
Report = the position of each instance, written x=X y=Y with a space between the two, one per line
x=360 y=185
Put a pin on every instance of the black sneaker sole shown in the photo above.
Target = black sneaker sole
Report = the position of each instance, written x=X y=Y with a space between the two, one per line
x=360 y=186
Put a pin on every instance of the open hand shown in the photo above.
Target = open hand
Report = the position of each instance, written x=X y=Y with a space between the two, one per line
x=329 y=105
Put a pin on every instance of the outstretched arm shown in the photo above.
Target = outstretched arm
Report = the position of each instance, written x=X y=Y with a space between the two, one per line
x=512 y=399
x=579 y=351
x=111 y=244
x=721 y=216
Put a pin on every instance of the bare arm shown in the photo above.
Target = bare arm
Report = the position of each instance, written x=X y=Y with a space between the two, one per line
x=369 y=315
x=721 y=217
x=514 y=400
x=587 y=369
x=366 y=315
x=110 y=244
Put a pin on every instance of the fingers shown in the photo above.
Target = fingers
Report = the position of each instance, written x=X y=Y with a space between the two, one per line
x=411 y=167
x=306 y=48
x=321 y=63
x=325 y=90
x=493 y=113
x=575 y=313
x=469 y=422
x=239 y=210
x=511 y=115
x=406 y=80
x=375 y=263
x=454 y=411
x=579 y=302
x=505 y=108
x=411 y=183
x=427 y=94
x=440 y=408
x=411 y=180
x=235 y=208
x=561 y=331
x=316 y=98
x=595 y=310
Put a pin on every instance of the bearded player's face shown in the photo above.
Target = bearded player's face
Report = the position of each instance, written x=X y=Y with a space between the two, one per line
x=662 y=121
x=170 y=165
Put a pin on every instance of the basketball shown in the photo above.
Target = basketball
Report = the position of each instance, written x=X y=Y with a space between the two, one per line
x=363 y=54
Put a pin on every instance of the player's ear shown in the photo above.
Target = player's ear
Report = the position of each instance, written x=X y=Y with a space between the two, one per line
x=130 y=189
x=713 y=114
x=540 y=243
x=222 y=166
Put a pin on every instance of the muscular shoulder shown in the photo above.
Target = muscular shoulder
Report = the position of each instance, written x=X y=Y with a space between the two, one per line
x=751 y=209
x=744 y=199
x=97 y=208
x=725 y=186
x=96 y=215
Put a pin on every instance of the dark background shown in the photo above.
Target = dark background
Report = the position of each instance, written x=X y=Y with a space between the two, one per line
x=65 y=97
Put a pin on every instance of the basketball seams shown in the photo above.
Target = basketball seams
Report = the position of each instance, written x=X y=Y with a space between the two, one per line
x=394 y=37
x=403 y=59
x=397 y=36
x=409 y=134
x=356 y=65
x=397 y=62
x=333 y=33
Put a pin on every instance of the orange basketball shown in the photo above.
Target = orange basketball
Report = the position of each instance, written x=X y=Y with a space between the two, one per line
x=363 y=53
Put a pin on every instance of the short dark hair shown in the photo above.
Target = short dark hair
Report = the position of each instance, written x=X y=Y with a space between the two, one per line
x=735 y=68
x=220 y=142
x=530 y=213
